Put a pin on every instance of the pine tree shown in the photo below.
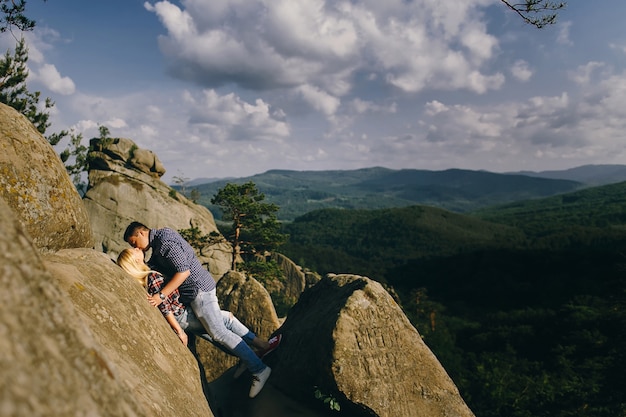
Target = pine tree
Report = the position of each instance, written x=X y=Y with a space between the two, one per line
x=254 y=227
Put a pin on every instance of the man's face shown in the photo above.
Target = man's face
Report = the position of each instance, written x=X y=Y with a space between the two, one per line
x=139 y=240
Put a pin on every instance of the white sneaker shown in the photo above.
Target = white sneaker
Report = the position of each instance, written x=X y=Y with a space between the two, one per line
x=258 y=381
x=241 y=368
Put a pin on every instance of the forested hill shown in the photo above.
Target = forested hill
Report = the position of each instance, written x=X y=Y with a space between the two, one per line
x=367 y=242
x=524 y=304
x=595 y=207
x=299 y=192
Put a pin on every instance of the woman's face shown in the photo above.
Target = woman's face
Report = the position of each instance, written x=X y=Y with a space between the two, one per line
x=138 y=255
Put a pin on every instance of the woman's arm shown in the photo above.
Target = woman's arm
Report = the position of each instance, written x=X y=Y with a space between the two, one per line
x=177 y=329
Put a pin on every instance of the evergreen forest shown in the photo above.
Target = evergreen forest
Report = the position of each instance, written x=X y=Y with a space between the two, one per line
x=524 y=304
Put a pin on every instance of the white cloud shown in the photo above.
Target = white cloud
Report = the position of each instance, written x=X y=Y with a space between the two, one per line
x=564 y=33
x=620 y=47
x=521 y=70
x=319 y=100
x=50 y=77
x=582 y=75
x=363 y=106
x=228 y=117
x=264 y=45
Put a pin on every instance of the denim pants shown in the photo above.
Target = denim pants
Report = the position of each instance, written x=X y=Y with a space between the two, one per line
x=207 y=310
x=190 y=324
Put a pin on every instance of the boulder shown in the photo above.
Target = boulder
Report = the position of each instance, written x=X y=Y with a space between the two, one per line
x=35 y=184
x=347 y=337
x=52 y=363
x=124 y=186
x=295 y=281
x=134 y=343
x=250 y=302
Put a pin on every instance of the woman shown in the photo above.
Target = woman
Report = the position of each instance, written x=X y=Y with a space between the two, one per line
x=182 y=319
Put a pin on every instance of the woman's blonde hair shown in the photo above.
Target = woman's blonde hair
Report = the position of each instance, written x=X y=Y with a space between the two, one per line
x=139 y=271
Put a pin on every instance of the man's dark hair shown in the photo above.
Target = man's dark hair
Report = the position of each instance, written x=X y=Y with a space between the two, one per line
x=133 y=228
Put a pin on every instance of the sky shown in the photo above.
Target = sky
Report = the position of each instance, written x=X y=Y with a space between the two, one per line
x=233 y=88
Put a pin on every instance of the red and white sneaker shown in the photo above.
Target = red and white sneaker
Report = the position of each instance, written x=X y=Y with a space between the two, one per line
x=274 y=342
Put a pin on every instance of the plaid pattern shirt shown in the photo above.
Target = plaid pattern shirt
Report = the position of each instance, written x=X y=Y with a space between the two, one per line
x=172 y=303
x=171 y=254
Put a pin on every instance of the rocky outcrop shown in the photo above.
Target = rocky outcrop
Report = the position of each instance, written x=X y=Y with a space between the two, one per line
x=35 y=184
x=348 y=337
x=294 y=282
x=124 y=186
x=141 y=352
x=311 y=278
x=77 y=338
x=250 y=302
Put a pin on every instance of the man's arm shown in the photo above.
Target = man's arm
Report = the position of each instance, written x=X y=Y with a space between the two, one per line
x=174 y=283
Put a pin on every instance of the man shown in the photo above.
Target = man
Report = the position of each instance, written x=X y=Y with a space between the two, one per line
x=176 y=259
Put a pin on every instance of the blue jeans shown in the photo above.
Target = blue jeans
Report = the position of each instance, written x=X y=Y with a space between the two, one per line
x=207 y=310
x=190 y=324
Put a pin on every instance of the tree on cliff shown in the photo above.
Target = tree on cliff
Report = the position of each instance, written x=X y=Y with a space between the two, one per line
x=538 y=13
x=254 y=228
x=13 y=90
x=13 y=16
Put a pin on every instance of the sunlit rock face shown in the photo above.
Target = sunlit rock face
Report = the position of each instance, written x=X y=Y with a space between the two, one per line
x=348 y=337
x=124 y=186
x=35 y=184
x=79 y=340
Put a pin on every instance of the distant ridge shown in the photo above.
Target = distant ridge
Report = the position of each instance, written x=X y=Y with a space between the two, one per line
x=299 y=192
x=199 y=181
x=587 y=174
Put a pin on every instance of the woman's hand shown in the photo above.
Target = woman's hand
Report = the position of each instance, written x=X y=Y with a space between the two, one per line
x=183 y=337
x=154 y=300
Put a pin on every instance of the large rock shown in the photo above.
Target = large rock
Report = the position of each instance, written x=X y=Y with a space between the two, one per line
x=295 y=281
x=52 y=365
x=250 y=302
x=35 y=184
x=135 y=345
x=348 y=337
x=124 y=186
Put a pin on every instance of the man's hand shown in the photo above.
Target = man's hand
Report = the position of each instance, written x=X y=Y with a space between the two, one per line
x=154 y=300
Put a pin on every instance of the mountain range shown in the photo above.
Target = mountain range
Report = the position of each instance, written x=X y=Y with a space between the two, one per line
x=458 y=190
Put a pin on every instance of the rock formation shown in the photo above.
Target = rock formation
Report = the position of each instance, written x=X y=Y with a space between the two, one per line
x=347 y=337
x=295 y=281
x=78 y=340
x=35 y=184
x=141 y=352
x=124 y=186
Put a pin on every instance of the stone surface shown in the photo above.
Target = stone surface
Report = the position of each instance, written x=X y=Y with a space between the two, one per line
x=78 y=338
x=51 y=363
x=295 y=281
x=124 y=187
x=35 y=184
x=349 y=338
x=141 y=352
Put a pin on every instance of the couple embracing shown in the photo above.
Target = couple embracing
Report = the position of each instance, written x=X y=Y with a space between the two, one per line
x=184 y=292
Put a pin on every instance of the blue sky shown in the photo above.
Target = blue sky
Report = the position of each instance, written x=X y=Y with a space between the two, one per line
x=221 y=88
